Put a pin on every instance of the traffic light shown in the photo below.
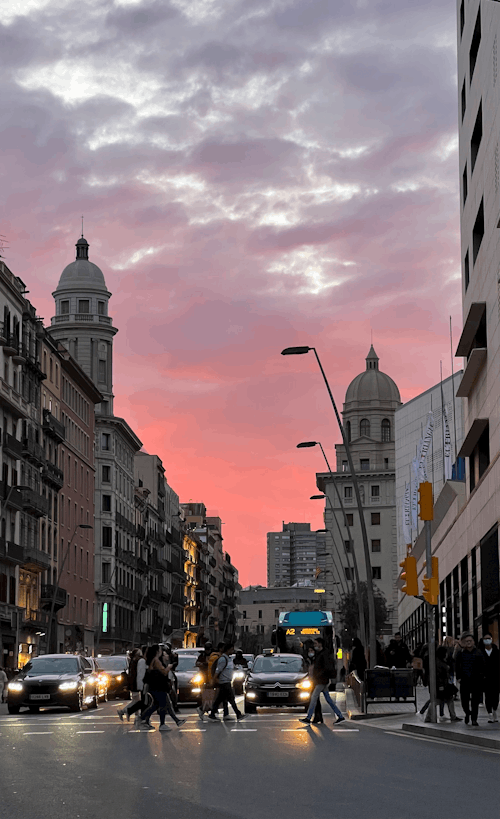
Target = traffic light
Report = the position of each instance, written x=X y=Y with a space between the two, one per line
x=409 y=575
x=431 y=584
x=426 y=511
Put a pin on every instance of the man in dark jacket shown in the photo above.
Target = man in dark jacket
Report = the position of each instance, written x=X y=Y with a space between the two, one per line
x=469 y=668
x=321 y=675
x=491 y=676
x=398 y=654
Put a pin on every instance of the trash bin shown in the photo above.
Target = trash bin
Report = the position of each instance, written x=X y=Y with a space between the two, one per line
x=378 y=683
x=402 y=683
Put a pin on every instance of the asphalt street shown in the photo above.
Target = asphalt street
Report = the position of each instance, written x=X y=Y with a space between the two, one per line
x=55 y=765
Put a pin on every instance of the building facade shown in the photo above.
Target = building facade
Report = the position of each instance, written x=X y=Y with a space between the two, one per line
x=260 y=607
x=370 y=404
x=467 y=513
x=294 y=555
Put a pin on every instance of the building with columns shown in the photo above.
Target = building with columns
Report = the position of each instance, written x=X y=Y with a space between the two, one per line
x=368 y=417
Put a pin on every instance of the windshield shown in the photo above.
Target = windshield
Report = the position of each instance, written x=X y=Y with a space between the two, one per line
x=52 y=665
x=113 y=663
x=187 y=663
x=278 y=663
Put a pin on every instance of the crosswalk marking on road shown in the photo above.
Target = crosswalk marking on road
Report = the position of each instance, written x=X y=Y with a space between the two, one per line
x=30 y=733
x=192 y=730
x=90 y=732
x=241 y=730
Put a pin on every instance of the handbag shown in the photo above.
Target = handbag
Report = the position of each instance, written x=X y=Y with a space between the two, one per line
x=449 y=691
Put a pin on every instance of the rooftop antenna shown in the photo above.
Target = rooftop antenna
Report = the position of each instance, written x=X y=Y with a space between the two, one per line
x=82 y=226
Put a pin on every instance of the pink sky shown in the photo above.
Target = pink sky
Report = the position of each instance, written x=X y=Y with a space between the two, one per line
x=253 y=175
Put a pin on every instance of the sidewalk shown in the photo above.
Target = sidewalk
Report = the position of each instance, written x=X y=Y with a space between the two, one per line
x=399 y=716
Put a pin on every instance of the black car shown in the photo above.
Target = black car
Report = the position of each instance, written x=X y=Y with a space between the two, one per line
x=277 y=680
x=53 y=679
x=189 y=679
x=115 y=667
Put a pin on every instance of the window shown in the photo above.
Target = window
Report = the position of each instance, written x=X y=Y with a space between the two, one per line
x=364 y=464
x=464 y=100
x=350 y=519
x=106 y=474
x=474 y=47
x=260 y=614
x=101 y=308
x=64 y=308
x=364 y=427
x=106 y=503
x=347 y=491
x=83 y=306
x=244 y=615
x=375 y=518
x=478 y=232
x=345 y=466
x=276 y=613
x=348 y=432
x=479 y=458
x=106 y=441
x=375 y=491
x=475 y=140
x=386 y=430
x=462 y=17
x=466 y=270
x=386 y=463
x=348 y=574
x=376 y=573
x=347 y=544
x=464 y=185
x=102 y=371
x=375 y=545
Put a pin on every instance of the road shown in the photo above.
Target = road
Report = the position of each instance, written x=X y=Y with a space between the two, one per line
x=56 y=765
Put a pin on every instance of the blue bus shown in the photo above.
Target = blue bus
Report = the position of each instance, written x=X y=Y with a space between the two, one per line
x=294 y=628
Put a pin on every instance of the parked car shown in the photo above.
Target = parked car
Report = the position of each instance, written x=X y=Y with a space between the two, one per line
x=115 y=667
x=277 y=680
x=53 y=679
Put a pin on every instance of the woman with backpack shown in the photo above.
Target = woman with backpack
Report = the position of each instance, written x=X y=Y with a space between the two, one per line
x=323 y=671
x=159 y=687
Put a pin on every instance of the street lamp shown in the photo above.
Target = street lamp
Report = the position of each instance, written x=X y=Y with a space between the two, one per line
x=340 y=573
x=61 y=567
x=364 y=533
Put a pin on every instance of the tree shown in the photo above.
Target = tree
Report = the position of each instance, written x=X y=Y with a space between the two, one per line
x=349 y=611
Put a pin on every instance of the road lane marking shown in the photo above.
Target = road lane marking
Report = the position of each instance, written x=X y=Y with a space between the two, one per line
x=30 y=733
x=192 y=730
x=241 y=730
x=90 y=732
x=442 y=741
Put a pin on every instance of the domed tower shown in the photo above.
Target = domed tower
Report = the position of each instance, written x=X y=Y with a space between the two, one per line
x=82 y=322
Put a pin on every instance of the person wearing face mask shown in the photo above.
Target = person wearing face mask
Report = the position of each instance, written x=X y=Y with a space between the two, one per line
x=491 y=676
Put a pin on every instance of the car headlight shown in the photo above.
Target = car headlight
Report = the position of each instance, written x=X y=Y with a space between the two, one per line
x=91 y=679
x=306 y=685
x=15 y=686
x=238 y=675
x=197 y=679
x=119 y=678
x=68 y=686
x=251 y=685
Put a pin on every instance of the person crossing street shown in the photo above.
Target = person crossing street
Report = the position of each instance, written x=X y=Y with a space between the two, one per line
x=323 y=670
x=223 y=680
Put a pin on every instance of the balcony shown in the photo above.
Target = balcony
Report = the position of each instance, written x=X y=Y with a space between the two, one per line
x=35 y=619
x=127 y=557
x=132 y=595
x=34 y=503
x=35 y=560
x=140 y=532
x=155 y=596
x=47 y=595
x=53 y=475
x=53 y=428
x=33 y=451
x=11 y=346
x=12 y=446
x=14 y=496
x=11 y=552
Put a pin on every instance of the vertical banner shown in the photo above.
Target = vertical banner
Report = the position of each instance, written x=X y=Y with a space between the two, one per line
x=447 y=446
x=407 y=515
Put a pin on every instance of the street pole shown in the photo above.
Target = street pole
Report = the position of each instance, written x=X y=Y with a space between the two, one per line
x=364 y=533
x=59 y=575
x=431 y=628
x=101 y=612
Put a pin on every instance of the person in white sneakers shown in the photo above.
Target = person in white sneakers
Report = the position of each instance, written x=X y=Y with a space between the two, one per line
x=491 y=676
x=136 y=672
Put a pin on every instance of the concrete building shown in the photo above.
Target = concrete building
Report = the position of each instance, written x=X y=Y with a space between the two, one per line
x=260 y=607
x=370 y=404
x=467 y=514
x=82 y=324
x=294 y=554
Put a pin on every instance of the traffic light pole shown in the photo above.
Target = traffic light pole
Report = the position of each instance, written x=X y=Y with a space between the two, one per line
x=431 y=628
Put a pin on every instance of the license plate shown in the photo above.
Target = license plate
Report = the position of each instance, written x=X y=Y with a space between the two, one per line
x=39 y=696
x=277 y=693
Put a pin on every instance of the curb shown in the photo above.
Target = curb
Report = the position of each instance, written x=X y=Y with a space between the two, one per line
x=356 y=716
x=469 y=739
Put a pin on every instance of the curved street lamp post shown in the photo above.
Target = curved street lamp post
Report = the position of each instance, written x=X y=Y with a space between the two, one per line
x=369 y=579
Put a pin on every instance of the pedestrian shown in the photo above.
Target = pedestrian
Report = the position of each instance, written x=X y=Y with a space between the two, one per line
x=398 y=654
x=3 y=683
x=159 y=686
x=322 y=672
x=469 y=666
x=309 y=655
x=136 y=671
x=213 y=659
x=223 y=679
x=170 y=657
x=358 y=660
x=491 y=676
x=239 y=660
x=445 y=690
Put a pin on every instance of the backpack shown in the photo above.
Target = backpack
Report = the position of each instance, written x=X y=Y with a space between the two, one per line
x=212 y=673
x=212 y=663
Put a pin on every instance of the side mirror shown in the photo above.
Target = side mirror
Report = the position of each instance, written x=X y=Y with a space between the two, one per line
x=250 y=665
